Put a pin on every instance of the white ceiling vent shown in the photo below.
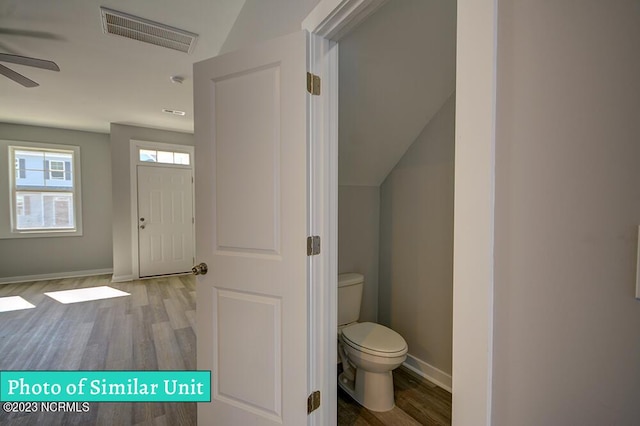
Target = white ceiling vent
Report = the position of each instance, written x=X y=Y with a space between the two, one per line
x=133 y=27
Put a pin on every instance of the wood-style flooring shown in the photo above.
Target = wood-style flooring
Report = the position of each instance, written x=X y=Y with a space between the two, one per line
x=418 y=402
x=153 y=329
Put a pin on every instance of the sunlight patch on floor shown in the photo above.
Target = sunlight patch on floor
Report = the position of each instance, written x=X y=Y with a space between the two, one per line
x=14 y=303
x=86 y=294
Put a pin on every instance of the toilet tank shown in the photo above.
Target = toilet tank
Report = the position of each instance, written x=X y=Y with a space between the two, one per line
x=349 y=297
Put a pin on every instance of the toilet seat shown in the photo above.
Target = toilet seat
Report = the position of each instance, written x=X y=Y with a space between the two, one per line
x=374 y=339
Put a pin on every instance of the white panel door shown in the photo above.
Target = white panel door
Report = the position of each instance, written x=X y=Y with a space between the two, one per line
x=165 y=220
x=251 y=185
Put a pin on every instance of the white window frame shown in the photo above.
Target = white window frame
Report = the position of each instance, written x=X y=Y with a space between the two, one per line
x=57 y=170
x=8 y=207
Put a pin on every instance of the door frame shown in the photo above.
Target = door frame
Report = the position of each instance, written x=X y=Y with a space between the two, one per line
x=473 y=275
x=327 y=23
x=134 y=161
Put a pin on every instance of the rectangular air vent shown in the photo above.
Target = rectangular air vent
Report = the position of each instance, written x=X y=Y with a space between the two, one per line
x=133 y=27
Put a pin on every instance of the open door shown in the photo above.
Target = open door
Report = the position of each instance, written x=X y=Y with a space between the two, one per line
x=251 y=118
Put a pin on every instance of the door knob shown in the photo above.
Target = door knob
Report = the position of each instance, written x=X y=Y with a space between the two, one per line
x=200 y=269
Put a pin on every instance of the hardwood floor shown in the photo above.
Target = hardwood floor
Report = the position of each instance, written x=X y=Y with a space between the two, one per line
x=418 y=402
x=153 y=329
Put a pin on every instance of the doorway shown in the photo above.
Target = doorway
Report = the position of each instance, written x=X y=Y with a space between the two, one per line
x=396 y=166
x=162 y=213
x=473 y=270
x=473 y=282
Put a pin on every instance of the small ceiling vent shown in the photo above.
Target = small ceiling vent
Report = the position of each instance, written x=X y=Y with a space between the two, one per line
x=133 y=27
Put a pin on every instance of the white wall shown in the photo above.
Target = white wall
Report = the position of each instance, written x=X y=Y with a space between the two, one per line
x=567 y=326
x=416 y=243
x=358 y=237
x=473 y=222
x=29 y=257
x=121 y=136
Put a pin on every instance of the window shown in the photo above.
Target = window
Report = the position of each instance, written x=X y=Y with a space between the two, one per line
x=166 y=157
x=21 y=172
x=20 y=211
x=56 y=169
x=44 y=190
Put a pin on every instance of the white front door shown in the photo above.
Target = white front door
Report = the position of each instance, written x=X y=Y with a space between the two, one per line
x=251 y=186
x=165 y=220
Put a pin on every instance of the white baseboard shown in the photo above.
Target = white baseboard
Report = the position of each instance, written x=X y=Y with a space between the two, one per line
x=122 y=278
x=54 y=276
x=429 y=372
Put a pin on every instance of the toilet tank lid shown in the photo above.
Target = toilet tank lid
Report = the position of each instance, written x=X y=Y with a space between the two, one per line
x=349 y=278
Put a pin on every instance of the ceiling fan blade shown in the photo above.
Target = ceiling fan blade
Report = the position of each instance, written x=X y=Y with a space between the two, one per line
x=18 y=78
x=30 y=33
x=30 y=62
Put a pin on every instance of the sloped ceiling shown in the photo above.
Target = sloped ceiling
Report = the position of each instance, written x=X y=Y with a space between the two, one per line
x=105 y=79
x=397 y=69
x=262 y=20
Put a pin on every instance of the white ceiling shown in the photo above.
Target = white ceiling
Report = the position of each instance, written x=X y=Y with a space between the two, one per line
x=396 y=69
x=103 y=78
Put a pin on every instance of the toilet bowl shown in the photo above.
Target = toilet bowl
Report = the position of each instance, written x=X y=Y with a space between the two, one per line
x=373 y=351
x=369 y=352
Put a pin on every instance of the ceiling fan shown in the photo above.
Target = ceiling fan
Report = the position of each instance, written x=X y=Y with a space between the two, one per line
x=24 y=60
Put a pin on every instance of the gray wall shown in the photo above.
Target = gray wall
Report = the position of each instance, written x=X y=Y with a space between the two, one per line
x=567 y=326
x=358 y=227
x=121 y=136
x=397 y=74
x=52 y=255
x=396 y=70
x=416 y=243
x=261 y=20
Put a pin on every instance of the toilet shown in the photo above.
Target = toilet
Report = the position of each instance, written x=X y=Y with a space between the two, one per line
x=368 y=351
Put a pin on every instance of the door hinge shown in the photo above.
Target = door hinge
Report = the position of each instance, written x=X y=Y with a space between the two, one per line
x=313 y=402
x=313 y=84
x=313 y=245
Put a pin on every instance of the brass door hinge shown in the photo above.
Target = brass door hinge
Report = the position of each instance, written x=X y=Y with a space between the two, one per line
x=313 y=402
x=313 y=84
x=313 y=245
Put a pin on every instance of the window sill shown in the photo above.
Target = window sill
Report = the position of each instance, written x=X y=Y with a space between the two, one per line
x=40 y=234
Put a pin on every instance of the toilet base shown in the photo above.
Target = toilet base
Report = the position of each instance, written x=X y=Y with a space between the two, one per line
x=374 y=391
